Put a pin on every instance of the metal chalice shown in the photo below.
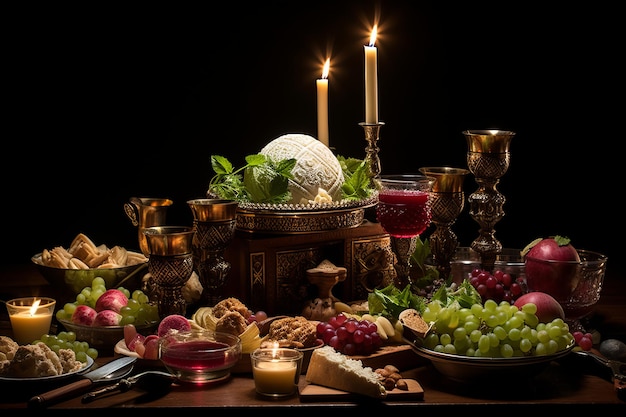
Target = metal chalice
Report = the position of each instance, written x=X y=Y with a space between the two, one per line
x=488 y=158
x=447 y=202
x=214 y=223
x=170 y=263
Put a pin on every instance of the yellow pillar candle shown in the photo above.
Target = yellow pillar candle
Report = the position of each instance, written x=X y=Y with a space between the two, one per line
x=322 y=105
x=30 y=318
x=371 y=80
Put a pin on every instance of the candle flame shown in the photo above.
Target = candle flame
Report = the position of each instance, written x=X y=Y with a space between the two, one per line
x=326 y=68
x=373 y=35
x=275 y=350
x=34 y=307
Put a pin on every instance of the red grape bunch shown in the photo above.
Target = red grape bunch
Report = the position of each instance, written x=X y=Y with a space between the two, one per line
x=349 y=335
x=499 y=286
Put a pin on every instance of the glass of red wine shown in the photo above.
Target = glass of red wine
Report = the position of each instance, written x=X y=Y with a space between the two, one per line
x=404 y=212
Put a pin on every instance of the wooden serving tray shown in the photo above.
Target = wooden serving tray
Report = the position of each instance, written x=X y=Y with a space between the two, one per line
x=312 y=393
x=400 y=355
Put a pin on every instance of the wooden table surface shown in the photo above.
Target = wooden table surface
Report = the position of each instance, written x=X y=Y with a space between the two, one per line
x=571 y=382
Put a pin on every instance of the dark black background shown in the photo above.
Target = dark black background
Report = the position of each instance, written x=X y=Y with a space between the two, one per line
x=105 y=104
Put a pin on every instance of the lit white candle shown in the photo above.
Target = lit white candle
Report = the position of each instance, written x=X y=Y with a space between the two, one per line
x=275 y=371
x=275 y=377
x=322 y=104
x=30 y=322
x=371 y=80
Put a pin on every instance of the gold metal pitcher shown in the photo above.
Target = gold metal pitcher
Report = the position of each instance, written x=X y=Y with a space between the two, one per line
x=144 y=213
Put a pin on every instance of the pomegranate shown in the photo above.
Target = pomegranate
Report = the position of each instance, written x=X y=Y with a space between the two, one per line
x=551 y=266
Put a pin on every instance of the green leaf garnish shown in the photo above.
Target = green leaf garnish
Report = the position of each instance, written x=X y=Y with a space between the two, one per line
x=261 y=180
x=357 y=181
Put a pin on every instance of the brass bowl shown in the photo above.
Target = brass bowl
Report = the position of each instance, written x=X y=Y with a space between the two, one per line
x=104 y=338
x=74 y=280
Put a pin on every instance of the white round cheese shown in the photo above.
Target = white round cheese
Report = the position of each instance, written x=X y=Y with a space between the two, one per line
x=316 y=166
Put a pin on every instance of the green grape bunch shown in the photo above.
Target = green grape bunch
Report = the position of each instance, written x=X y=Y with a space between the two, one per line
x=138 y=311
x=67 y=340
x=497 y=330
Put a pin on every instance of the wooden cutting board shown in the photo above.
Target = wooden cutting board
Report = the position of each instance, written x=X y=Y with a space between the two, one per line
x=312 y=393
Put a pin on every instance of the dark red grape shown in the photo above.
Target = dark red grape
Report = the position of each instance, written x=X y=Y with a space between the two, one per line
x=499 y=286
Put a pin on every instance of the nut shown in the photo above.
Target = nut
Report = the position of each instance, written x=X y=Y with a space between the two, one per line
x=401 y=384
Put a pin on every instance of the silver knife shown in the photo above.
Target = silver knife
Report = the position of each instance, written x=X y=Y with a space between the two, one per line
x=105 y=372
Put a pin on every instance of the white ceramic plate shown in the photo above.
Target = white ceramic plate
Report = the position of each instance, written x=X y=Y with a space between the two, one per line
x=85 y=368
x=120 y=347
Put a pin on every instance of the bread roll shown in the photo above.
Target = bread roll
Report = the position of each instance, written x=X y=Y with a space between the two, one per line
x=332 y=369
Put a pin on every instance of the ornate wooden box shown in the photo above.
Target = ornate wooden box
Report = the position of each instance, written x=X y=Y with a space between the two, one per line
x=269 y=271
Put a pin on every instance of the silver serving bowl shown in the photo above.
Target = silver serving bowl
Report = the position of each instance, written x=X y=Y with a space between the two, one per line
x=471 y=369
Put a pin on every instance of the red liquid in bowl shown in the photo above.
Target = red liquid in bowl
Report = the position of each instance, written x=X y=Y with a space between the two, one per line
x=403 y=213
x=198 y=355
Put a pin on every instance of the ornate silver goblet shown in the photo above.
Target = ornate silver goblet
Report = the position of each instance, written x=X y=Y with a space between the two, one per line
x=171 y=264
x=214 y=224
x=488 y=158
x=447 y=202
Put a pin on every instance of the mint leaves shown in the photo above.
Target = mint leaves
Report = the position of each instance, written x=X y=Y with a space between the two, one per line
x=356 y=184
x=261 y=180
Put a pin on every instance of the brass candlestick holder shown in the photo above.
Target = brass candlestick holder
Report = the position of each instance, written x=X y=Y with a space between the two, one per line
x=372 y=135
x=447 y=202
x=214 y=224
x=488 y=158
x=171 y=264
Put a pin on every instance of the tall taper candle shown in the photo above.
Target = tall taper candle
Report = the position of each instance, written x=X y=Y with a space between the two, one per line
x=371 y=80
x=322 y=105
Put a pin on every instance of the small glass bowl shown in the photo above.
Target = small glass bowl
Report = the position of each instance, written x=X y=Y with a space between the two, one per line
x=509 y=261
x=200 y=356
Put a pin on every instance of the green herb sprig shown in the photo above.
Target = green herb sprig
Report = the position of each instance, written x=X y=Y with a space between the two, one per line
x=357 y=181
x=261 y=180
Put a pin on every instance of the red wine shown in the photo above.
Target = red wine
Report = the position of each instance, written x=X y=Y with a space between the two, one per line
x=198 y=355
x=403 y=213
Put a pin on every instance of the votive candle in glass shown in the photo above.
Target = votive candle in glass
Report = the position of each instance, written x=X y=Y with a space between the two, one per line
x=276 y=371
x=30 y=317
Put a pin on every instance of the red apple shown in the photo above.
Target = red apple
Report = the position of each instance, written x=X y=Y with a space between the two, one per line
x=112 y=299
x=548 y=308
x=551 y=266
x=107 y=318
x=84 y=315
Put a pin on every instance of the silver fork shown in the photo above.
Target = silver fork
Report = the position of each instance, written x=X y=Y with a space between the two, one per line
x=617 y=370
x=126 y=384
